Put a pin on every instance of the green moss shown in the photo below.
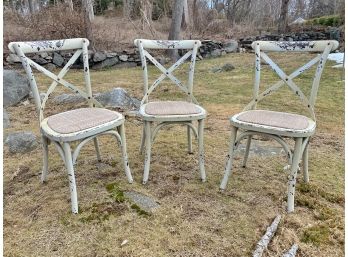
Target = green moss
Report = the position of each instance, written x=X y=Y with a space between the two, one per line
x=116 y=192
x=317 y=235
x=140 y=211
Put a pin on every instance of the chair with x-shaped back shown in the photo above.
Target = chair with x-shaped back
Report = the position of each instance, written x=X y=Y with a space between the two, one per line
x=170 y=112
x=82 y=124
x=280 y=125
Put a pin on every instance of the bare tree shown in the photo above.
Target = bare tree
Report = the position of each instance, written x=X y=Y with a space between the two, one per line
x=146 y=13
x=88 y=14
x=186 y=17
x=283 y=19
x=70 y=4
x=31 y=5
x=174 y=32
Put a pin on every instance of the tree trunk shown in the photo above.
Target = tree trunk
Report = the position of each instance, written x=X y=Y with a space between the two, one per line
x=70 y=4
x=186 y=17
x=174 y=32
x=88 y=15
x=283 y=19
x=146 y=13
x=31 y=6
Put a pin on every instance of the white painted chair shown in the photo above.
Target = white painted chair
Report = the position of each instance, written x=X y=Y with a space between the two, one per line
x=280 y=125
x=166 y=113
x=83 y=124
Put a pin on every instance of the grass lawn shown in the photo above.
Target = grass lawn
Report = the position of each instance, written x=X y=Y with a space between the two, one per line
x=194 y=219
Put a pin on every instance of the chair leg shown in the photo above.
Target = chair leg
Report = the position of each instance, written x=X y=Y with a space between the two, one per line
x=124 y=153
x=229 y=159
x=97 y=149
x=147 y=137
x=142 y=144
x=293 y=173
x=247 y=149
x=189 y=140
x=305 y=164
x=201 y=149
x=71 y=175
x=45 y=158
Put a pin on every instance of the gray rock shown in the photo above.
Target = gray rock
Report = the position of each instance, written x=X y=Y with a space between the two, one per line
x=21 y=142
x=118 y=98
x=15 y=87
x=50 y=66
x=216 y=53
x=231 y=46
x=39 y=60
x=13 y=58
x=68 y=99
x=58 y=59
x=123 y=57
x=5 y=119
x=44 y=55
x=144 y=202
x=109 y=55
x=125 y=65
x=109 y=62
x=99 y=56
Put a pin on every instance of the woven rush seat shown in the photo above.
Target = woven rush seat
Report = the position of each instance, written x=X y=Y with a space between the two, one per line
x=80 y=119
x=274 y=119
x=171 y=108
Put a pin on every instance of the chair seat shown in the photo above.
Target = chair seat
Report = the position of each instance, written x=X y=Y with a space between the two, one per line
x=172 y=111
x=280 y=123
x=80 y=123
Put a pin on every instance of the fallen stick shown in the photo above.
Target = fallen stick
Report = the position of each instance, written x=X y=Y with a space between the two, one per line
x=262 y=244
x=291 y=252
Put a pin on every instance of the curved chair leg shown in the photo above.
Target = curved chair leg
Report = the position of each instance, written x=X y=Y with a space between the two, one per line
x=45 y=158
x=201 y=149
x=147 y=137
x=141 y=149
x=229 y=159
x=189 y=140
x=97 y=149
x=124 y=153
x=71 y=175
x=293 y=173
x=305 y=164
x=247 y=148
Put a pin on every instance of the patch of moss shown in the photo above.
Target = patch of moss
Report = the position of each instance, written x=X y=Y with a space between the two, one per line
x=314 y=191
x=140 y=211
x=116 y=192
x=317 y=235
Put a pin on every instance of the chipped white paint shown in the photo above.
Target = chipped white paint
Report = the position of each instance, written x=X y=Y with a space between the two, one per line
x=62 y=141
x=149 y=134
x=301 y=136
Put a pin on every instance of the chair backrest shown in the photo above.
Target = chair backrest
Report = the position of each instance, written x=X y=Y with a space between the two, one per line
x=191 y=45
x=261 y=47
x=78 y=44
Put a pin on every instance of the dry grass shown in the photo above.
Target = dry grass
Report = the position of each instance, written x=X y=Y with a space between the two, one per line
x=194 y=218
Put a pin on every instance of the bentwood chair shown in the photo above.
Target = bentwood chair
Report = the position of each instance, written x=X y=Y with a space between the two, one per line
x=82 y=124
x=166 y=113
x=280 y=125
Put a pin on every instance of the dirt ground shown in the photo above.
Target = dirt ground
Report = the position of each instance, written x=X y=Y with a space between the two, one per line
x=194 y=218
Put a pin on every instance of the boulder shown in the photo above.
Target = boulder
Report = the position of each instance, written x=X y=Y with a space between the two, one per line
x=123 y=57
x=143 y=202
x=68 y=99
x=13 y=58
x=99 y=56
x=58 y=60
x=39 y=60
x=216 y=53
x=21 y=142
x=109 y=55
x=231 y=46
x=106 y=63
x=15 y=87
x=5 y=119
x=118 y=98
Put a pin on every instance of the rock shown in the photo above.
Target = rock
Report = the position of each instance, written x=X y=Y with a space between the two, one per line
x=110 y=55
x=106 y=63
x=118 y=98
x=39 y=60
x=21 y=142
x=216 y=53
x=58 y=59
x=99 y=56
x=5 y=119
x=227 y=67
x=50 y=66
x=43 y=55
x=231 y=46
x=68 y=99
x=144 y=202
x=15 y=87
x=13 y=58
x=123 y=57
x=125 y=65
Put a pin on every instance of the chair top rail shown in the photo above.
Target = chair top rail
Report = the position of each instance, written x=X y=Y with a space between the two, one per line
x=167 y=44
x=295 y=46
x=49 y=45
